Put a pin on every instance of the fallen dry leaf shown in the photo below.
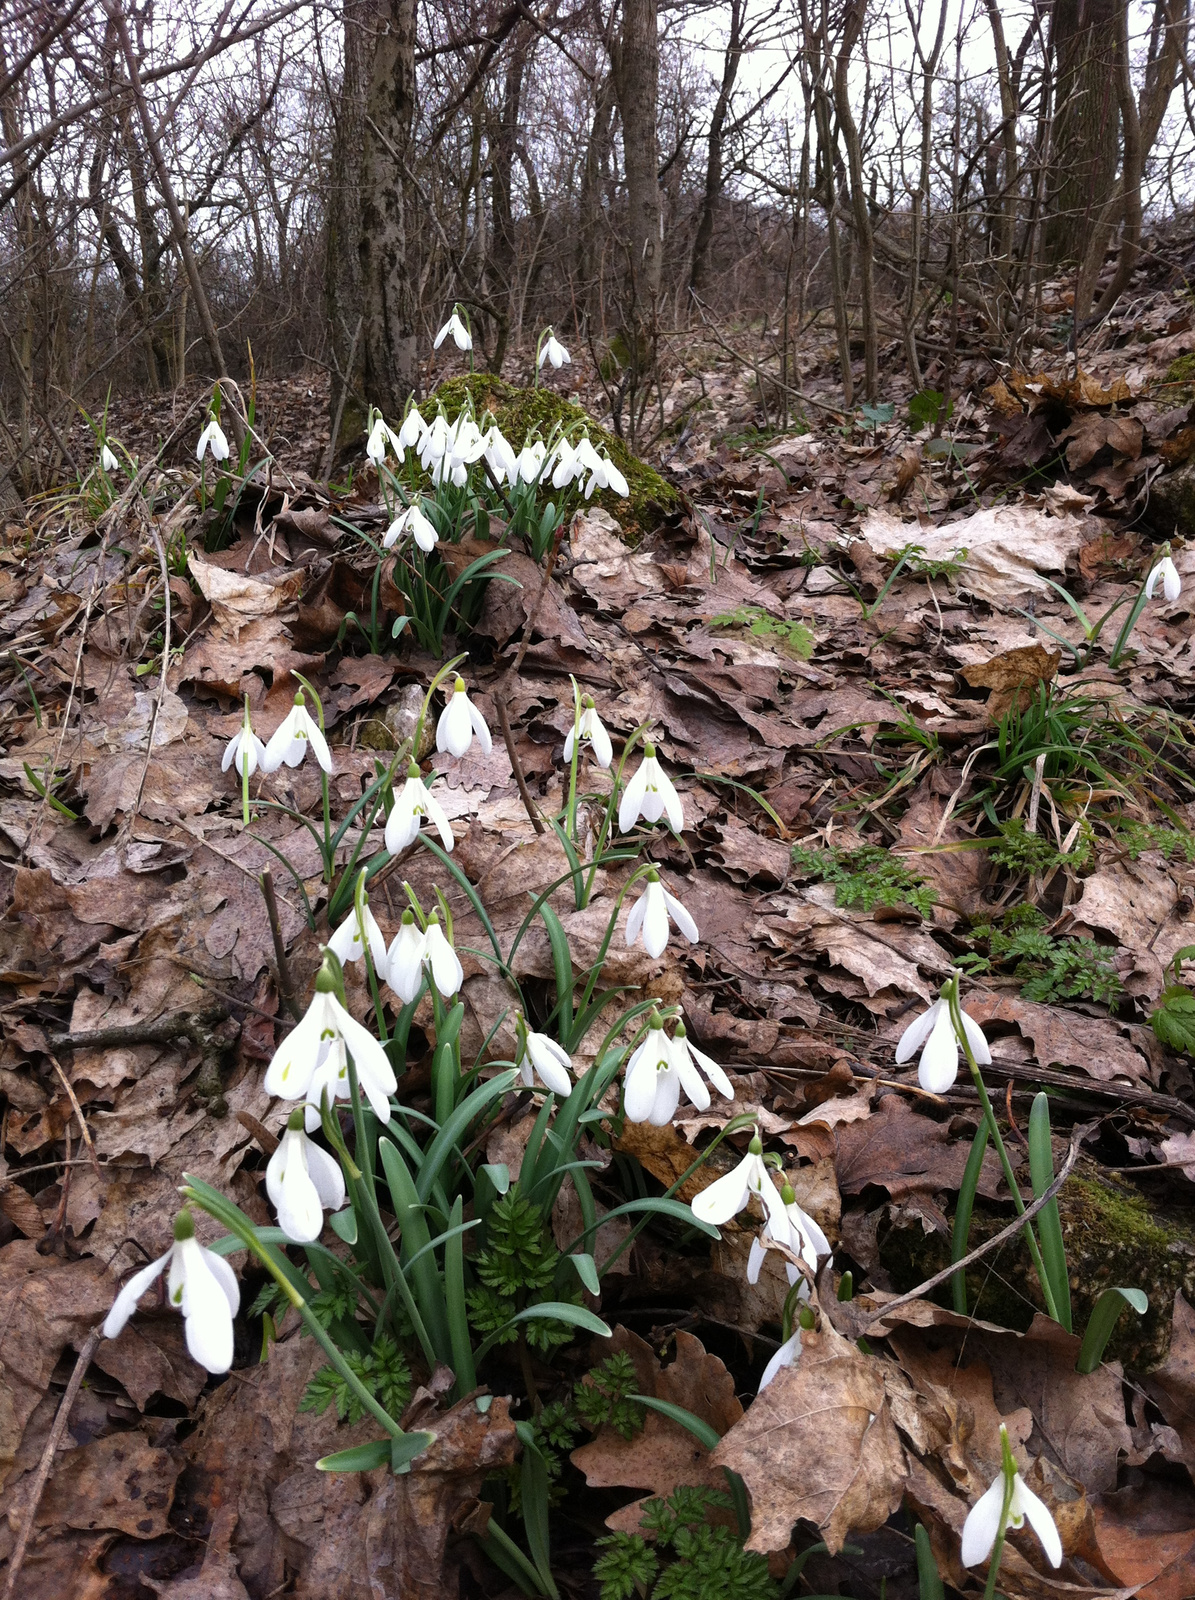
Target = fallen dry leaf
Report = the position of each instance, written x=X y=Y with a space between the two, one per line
x=819 y=1443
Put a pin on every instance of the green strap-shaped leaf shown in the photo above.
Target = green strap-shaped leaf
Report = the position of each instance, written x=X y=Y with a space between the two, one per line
x=1049 y=1226
x=1104 y=1317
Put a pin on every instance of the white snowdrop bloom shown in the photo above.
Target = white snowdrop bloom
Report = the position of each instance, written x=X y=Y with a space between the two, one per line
x=565 y=466
x=796 y=1231
x=212 y=438
x=412 y=521
x=530 y=460
x=404 y=963
x=1167 y=573
x=554 y=352
x=244 y=749
x=446 y=970
x=348 y=944
x=605 y=475
x=303 y=1181
x=108 y=458
x=788 y=1355
x=986 y=1520
x=461 y=336
x=650 y=795
x=459 y=721
x=649 y=917
x=731 y=1193
x=500 y=457
x=690 y=1063
x=382 y=435
x=541 y=1057
x=436 y=438
x=412 y=431
x=651 y=1091
x=302 y=1052
x=200 y=1283
x=938 y=1067
x=413 y=802
x=592 y=733
x=290 y=740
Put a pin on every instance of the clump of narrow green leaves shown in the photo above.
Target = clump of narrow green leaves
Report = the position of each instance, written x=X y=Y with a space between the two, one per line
x=689 y=1559
x=516 y=1267
x=866 y=876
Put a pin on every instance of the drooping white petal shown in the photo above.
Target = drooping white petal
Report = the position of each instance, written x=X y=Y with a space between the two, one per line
x=982 y=1525
x=755 y=1260
x=599 y=740
x=319 y=744
x=635 y=920
x=108 y=460
x=206 y=1310
x=126 y=1301
x=1167 y=574
x=787 y=1355
x=655 y=920
x=632 y=800
x=980 y=1048
x=551 y=1063
x=667 y=1097
x=348 y=944
x=374 y=1071
x=331 y=1075
x=1025 y=1504
x=454 y=731
x=726 y=1196
x=292 y=1193
x=290 y=1070
x=938 y=1067
x=680 y=916
x=712 y=1071
x=688 y=1078
x=404 y=962
x=447 y=972
x=917 y=1032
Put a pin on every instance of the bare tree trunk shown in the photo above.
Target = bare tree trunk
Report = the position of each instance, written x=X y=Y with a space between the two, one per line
x=504 y=144
x=387 y=246
x=853 y=19
x=714 y=159
x=637 y=76
x=1085 y=136
x=826 y=187
x=921 y=198
x=343 y=295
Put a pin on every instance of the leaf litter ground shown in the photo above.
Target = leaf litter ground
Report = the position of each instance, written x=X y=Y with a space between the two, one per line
x=881 y=781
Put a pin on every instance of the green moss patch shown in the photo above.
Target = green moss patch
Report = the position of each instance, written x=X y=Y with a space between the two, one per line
x=1114 y=1239
x=519 y=412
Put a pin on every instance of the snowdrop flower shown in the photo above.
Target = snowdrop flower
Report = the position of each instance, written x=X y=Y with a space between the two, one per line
x=796 y=1230
x=305 y=1049
x=331 y=1078
x=530 y=460
x=566 y=466
x=414 y=802
x=651 y=1092
x=302 y=1182
x=987 y=1520
x=412 y=431
x=590 y=730
x=934 y=1029
x=200 y=1283
x=1172 y=584
x=649 y=917
x=732 y=1193
x=459 y=721
x=788 y=1355
x=461 y=336
x=212 y=437
x=289 y=741
x=649 y=795
x=436 y=438
x=412 y=521
x=686 y=1058
x=446 y=970
x=500 y=457
x=245 y=749
x=381 y=435
x=541 y=1057
x=404 y=963
x=605 y=475
x=108 y=459
x=554 y=352
x=349 y=941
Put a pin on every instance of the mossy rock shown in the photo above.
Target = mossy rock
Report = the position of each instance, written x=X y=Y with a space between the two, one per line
x=519 y=412
x=1114 y=1239
x=1182 y=370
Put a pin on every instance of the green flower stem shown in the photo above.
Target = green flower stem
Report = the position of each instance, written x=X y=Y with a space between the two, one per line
x=245 y=787
x=989 y=1588
x=570 y=815
x=956 y=1018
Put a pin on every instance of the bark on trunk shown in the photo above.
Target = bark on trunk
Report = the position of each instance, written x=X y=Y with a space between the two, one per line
x=638 y=75
x=343 y=298
x=388 y=234
x=699 y=269
x=1086 y=133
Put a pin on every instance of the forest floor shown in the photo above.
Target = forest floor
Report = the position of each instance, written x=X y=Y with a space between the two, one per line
x=886 y=774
